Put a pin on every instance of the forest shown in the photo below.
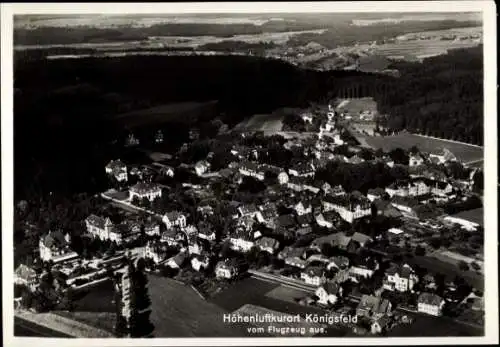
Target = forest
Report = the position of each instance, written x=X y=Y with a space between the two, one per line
x=65 y=109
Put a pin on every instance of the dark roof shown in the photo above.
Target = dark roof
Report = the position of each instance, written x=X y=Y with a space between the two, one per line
x=54 y=239
x=143 y=187
x=305 y=219
x=403 y=271
x=331 y=287
x=96 y=221
x=429 y=299
x=267 y=242
x=286 y=220
x=349 y=201
x=313 y=271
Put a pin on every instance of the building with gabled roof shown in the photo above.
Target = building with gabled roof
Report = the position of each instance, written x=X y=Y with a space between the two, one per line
x=329 y=293
x=267 y=244
x=143 y=190
x=117 y=169
x=350 y=207
x=400 y=278
x=430 y=303
x=313 y=275
x=54 y=247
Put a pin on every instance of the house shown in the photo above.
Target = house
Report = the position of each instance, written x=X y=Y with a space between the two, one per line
x=361 y=238
x=415 y=160
x=337 y=191
x=441 y=188
x=305 y=220
x=202 y=167
x=117 y=169
x=418 y=187
x=400 y=278
x=386 y=209
x=200 y=262
x=54 y=247
x=431 y=304
x=302 y=209
x=404 y=204
x=291 y=252
x=155 y=251
x=267 y=244
x=329 y=293
x=248 y=210
x=286 y=221
x=243 y=239
x=307 y=117
x=131 y=140
x=443 y=157
x=296 y=183
x=282 y=178
x=365 y=267
x=397 y=189
x=350 y=207
x=355 y=159
x=380 y=325
x=252 y=169
x=241 y=152
x=25 y=275
x=339 y=262
x=143 y=190
x=152 y=229
x=296 y=262
x=339 y=240
x=374 y=194
x=226 y=269
x=373 y=307
x=172 y=237
x=268 y=214
x=159 y=137
x=99 y=227
x=206 y=232
x=174 y=218
x=124 y=233
x=205 y=210
x=302 y=170
x=313 y=275
x=177 y=260
x=322 y=220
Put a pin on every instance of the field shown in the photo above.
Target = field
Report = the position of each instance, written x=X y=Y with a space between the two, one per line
x=476 y=215
x=463 y=152
x=179 y=312
x=262 y=122
x=181 y=112
x=357 y=105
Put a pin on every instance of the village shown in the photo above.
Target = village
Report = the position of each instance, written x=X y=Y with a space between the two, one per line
x=357 y=231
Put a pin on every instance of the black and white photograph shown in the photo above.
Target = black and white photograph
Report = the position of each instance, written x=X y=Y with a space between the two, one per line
x=234 y=173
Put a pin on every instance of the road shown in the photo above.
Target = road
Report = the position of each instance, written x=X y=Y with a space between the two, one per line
x=26 y=328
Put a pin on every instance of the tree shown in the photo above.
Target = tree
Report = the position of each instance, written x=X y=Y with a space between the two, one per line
x=462 y=265
x=420 y=251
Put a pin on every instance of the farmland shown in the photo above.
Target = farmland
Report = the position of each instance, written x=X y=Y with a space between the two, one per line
x=179 y=312
x=464 y=152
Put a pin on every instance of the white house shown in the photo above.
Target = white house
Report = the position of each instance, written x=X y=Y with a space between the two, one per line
x=99 y=227
x=200 y=262
x=399 y=278
x=145 y=190
x=307 y=117
x=431 y=304
x=54 y=247
x=252 y=169
x=302 y=170
x=313 y=275
x=155 y=251
x=349 y=207
x=174 y=218
x=302 y=209
x=440 y=188
x=415 y=160
x=282 y=178
x=226 y=269
x=329 y=293
x=202 y=167
x=267 y=244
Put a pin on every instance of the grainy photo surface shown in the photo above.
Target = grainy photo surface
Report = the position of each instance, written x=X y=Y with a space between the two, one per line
x=249 y=175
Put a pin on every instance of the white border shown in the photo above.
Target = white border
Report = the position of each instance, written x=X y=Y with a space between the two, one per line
x=490 y=165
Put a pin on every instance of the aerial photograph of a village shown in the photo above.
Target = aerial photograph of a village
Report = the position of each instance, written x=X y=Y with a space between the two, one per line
x=248 y=175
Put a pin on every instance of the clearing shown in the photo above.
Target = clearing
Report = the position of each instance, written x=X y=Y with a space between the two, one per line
x=464 y=152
